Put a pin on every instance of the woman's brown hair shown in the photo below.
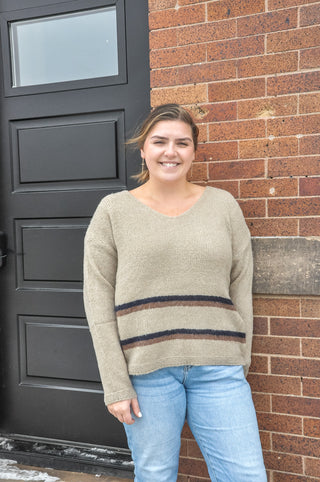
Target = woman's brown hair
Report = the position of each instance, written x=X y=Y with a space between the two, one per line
x=164 y=112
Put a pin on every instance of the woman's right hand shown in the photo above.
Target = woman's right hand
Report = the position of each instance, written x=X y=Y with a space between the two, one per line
x=122 y=410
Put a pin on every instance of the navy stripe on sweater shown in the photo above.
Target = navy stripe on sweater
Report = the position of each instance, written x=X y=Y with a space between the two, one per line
x=183 y=333
x=174 y=298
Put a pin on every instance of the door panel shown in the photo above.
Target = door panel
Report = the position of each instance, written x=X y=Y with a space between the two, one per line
x=62 y=150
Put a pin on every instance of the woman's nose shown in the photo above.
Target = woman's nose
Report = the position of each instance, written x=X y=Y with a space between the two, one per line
x=170 y=150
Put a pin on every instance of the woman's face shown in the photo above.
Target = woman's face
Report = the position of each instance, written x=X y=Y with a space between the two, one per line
x=169 y=150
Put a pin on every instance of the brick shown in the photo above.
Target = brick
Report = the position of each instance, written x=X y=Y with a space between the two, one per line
x=310 y=15
x=216 y=112
x=277 y=4
x=287 y=146
x=273 y=227
x=268 y=64
x=262 y=402
x=234 y=8
x=311 y=427
x=250 y=129
x=161 y=4
x=293 y=39
x=230 y=186
x=186 y=432
x=193 y=450
x=267 y=22
x=280 y=423
x=284 y=462
x=184 y=448
x=189 y=94
x=292 y=83
x=274 y=384
x=177 y=56
x=296 y=445
x=206 y=32
x=235 y=48
x=160 y=39
x=164 y=78
x=310 y=307
x=310 y=186
x=217 y=151
x=307 y=407
x=238 y=89
x=298 y=125
x=268 y=188
x=309 y=227
x=265 y=439
x=309 y=102
x=199 y=172
x=260 y=325
x=312 y=467
x=310 y=145
x=259 y=364
x=276 y=307
x=188 y=74
x=188 y=2
x=236 y=169
x=294 y=207
x=285 y=477
x=295 y=367
x=253 y=208
x=174 y=17
x=311 y=386
x=193 y=467
x=268 y=107
x=310 y=58
x=203 y=137
x=276 y=345
x=294 y=327
x=298 y=166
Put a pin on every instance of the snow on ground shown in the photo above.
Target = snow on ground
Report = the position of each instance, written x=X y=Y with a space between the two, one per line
x=9 y=471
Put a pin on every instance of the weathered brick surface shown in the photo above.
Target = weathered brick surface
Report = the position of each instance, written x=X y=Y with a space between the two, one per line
x=249 y=70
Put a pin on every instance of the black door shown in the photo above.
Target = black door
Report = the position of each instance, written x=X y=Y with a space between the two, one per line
x=75 y=84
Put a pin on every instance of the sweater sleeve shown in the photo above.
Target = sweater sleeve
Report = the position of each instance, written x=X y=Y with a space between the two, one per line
x=241 y=276
x=100 y=267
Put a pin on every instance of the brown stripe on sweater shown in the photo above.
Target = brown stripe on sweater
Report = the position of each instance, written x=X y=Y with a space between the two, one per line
x=163 y=304
x=182 y=336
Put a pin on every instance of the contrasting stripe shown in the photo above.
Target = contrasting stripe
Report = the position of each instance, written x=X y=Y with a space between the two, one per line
x=174 y=300
x=183 y=333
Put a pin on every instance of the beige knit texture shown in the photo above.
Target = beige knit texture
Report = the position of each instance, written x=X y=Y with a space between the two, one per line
x=133 y=252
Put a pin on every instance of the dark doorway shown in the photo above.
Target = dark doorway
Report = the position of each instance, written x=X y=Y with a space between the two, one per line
x=75 y=84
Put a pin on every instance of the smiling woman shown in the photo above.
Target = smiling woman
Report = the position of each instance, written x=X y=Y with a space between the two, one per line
x=167 y=292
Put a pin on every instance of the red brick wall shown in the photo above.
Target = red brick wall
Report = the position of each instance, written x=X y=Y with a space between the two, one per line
x=250 y=72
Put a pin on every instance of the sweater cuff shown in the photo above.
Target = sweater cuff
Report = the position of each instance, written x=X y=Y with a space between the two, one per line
x=127 y=394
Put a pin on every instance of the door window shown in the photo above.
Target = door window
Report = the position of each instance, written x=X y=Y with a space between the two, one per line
x=73 y=46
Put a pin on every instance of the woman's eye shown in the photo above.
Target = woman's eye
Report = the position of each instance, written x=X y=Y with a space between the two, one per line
x=184 y=144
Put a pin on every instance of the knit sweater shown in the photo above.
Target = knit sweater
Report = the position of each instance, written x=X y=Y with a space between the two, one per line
x=164 y=290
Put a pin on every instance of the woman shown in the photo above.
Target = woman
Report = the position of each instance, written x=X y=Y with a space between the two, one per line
x=168 y=275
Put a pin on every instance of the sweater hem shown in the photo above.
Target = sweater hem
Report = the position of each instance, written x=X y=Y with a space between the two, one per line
x=178 y=361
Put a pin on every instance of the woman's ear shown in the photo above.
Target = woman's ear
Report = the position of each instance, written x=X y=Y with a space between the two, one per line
x=142 y=153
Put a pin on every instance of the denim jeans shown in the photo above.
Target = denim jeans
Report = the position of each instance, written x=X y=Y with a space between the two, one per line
x=216 y=401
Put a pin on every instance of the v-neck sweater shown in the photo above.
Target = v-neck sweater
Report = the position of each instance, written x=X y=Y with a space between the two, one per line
x=165 y=290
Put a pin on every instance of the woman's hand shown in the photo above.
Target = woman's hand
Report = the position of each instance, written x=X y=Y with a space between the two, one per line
x=122 y=410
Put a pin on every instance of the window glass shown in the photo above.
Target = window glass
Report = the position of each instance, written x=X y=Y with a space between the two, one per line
x=74 y=46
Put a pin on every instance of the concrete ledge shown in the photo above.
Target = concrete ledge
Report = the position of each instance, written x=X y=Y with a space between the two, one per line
x=286 y=265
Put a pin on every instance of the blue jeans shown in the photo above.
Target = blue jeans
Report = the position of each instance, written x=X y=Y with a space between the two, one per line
x=217 y=403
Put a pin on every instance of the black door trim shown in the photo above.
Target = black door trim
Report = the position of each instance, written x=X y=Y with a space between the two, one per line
x=74 y=457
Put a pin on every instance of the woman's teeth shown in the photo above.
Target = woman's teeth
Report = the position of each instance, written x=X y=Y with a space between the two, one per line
x=169 y=164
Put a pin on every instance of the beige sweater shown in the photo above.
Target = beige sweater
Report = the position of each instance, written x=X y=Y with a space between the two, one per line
x=167 y=291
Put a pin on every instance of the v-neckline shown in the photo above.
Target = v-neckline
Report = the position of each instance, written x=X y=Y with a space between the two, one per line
x=187 y=211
